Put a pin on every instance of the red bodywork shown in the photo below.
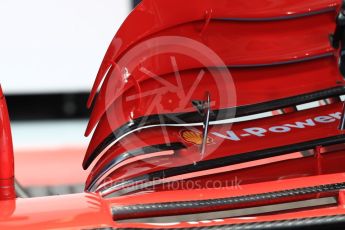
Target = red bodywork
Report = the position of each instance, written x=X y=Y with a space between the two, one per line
x=89 y=211
x=6 y=153
x=254 y=47
x=220 y=148
x=278 y=56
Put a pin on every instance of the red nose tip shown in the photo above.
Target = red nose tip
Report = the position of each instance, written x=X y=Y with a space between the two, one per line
x=7 y=190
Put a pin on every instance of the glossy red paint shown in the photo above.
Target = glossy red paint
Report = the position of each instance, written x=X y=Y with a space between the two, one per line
x=271 y=169
x=256 y=39
x=204 y=194
x=252 y=86
x=218 y=193
x=323 y=165
x=155 y=16
x=79 y=211
x=6 y=153
x=236 y=43
x=222 y=145
x=90 y=211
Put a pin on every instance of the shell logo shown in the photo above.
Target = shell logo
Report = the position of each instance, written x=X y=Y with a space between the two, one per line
x=194 y=137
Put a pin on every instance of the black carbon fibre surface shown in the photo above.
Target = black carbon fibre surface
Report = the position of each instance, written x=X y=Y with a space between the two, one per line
x=194 y=117
x=316 y=223
x=221 y=162
x=130 y=211
x=127 y=155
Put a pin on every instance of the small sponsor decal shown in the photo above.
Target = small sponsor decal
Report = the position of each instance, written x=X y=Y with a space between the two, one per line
x=194 y=137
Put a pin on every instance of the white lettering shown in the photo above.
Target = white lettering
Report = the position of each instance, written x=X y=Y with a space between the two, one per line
x=280 y=129
x=260 y=132
x=324 y=119
x=230 y=136
x=256 y=131
x=336 y=115
x=301 y=125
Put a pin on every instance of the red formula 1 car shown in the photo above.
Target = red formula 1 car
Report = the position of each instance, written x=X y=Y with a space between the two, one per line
x=208 y=115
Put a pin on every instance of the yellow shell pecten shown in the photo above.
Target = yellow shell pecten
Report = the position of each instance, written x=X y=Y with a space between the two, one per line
x=194 y=137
